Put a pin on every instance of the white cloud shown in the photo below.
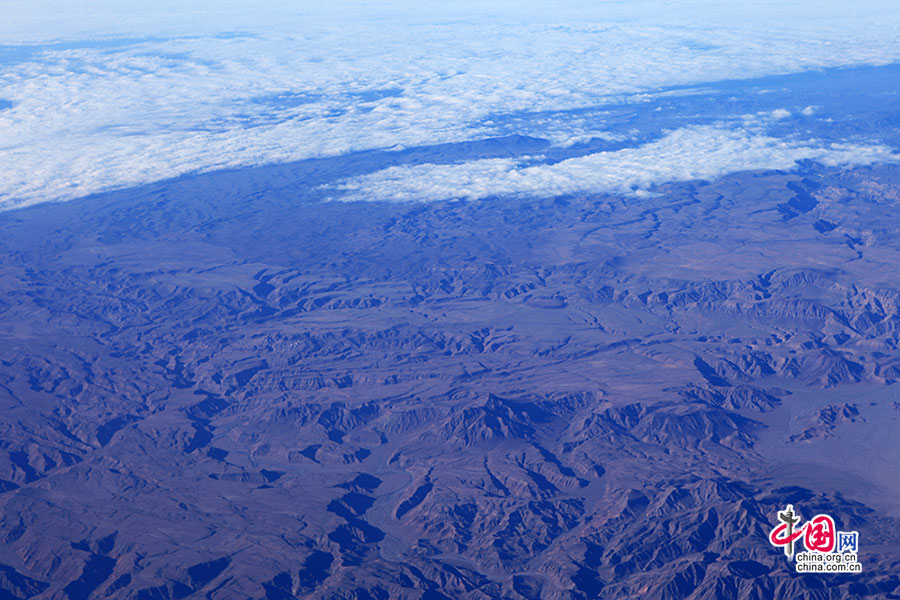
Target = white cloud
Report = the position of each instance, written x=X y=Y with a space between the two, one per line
x=682 y=155
x=781 y=113
x=192 y=97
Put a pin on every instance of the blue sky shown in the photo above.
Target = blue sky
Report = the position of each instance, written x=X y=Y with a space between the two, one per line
x=103 y=95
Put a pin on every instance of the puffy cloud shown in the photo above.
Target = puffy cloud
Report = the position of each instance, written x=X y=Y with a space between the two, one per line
x=113 y=94
x=682 y=155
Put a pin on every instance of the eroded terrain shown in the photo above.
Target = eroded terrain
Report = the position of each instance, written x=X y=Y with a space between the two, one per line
x=218 y=391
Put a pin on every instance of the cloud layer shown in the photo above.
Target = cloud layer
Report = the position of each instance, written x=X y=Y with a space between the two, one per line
x=120 y=94
x=683 y=155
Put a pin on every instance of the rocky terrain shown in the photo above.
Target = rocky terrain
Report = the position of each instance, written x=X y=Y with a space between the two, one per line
x=223 y=387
